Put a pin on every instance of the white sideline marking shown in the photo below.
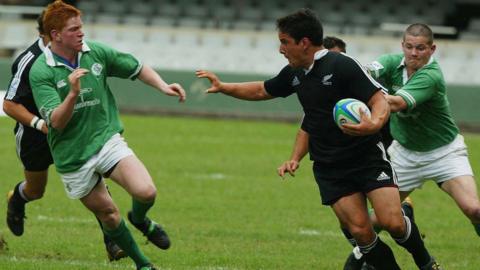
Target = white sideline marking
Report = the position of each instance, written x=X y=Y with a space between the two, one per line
x=74 y=263
x=320 y=233
x=65 y=220
x=214 y=268
x=104 y=265
x=209 y=176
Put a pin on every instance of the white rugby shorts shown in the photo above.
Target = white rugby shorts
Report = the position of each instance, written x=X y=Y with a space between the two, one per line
x=444 y=163
x=79 y=183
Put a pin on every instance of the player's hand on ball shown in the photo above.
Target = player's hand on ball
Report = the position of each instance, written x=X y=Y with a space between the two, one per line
x=214 y=81
x=74 y=79
x=289 y=166
x=365 y=127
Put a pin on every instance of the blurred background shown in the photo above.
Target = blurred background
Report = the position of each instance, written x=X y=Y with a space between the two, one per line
x=238 y=39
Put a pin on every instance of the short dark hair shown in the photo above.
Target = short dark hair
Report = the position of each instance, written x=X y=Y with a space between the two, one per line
x=300 y=24
x=419 y=29
x=40 y=23
x=331 y=42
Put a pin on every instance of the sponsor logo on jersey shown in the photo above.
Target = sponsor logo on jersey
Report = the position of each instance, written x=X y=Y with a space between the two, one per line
x=326 y=78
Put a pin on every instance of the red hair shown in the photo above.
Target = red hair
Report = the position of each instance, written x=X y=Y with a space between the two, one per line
x=56 y=16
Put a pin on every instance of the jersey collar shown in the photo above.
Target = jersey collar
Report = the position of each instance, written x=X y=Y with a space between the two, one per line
x=318 y=55
x=404 y=73
x=41 y=45
x=50 y=59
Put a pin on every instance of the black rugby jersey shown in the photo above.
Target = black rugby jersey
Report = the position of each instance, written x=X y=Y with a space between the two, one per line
x=334 y=76
x=19 y=90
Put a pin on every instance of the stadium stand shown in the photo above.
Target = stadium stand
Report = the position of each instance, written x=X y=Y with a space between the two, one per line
x=240 y=34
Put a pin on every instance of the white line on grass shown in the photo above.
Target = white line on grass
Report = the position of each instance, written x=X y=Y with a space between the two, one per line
x=64 y=220
x=214 y=268
x=105 y=265
x=207 y=176
x=311 y=232
x=72 y=263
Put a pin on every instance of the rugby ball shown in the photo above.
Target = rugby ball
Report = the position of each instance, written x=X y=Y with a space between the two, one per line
x=347 y=111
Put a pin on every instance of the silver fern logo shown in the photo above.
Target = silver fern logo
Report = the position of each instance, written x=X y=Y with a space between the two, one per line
x=326 y=79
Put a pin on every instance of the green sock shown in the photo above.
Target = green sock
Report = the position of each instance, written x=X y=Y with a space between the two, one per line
x=123 y=238
x=139 y=210
x=477 y=228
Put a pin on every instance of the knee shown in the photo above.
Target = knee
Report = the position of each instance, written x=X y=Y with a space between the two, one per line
x=109 y=216
x=148 y=194
x=473 y=213
x=363 y=234
x=34 y=194
x=396 y=227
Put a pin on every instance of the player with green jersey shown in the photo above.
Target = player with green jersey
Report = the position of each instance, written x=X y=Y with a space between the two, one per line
x=427 y=143
x=95 y=115
x=426 y=123
x=69 y=83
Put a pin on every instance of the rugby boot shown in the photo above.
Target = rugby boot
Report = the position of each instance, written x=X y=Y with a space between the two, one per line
x=15 y=216
x=114 y=252
x=355 y=260
x=152 y=231
x=433 y=265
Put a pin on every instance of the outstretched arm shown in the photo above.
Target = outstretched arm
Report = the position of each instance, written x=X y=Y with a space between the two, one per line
x=300 y=149
x=245 y=90
x=397 y=103
x=152 y=78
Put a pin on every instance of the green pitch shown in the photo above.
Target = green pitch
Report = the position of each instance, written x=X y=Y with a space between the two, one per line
x=221 y=202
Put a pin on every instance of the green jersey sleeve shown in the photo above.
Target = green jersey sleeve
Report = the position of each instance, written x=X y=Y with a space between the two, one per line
x=119 y=64
x=382 y=68
x=44 y=90
x=417 y=90
x=379 y=68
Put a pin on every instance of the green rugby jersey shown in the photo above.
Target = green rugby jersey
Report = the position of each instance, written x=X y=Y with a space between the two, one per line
x=427 y=122
x=95 y=118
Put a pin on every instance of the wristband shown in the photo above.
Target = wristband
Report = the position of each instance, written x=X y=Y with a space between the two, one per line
x=37 y=123
x=34 y=121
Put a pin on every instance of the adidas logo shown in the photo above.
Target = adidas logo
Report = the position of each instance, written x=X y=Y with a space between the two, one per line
x=295 y=81
x=383 y=176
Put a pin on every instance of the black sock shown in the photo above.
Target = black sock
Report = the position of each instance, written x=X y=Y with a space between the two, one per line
x=408 y=211
x=17 y=200
x=412 y=241
x=349 y=237
x=379 y=255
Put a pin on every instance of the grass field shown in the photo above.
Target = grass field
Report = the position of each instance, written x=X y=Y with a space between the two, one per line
x=222 y=204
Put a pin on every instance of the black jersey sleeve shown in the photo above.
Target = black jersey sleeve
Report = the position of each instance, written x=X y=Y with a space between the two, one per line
x=19 y=86
x=358 y=83
x=281 y=85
